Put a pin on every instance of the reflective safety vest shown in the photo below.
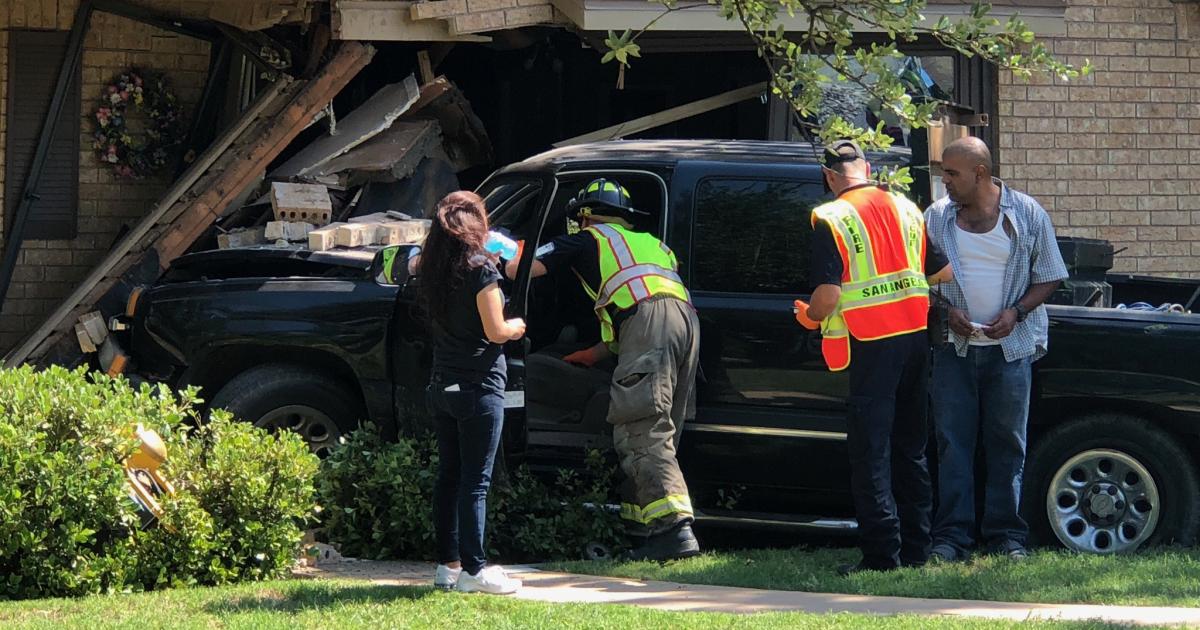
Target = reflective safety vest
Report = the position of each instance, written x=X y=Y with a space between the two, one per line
x=634 y=266
x=881 y=237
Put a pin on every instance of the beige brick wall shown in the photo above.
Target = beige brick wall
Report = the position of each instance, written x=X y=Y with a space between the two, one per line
x=50 y=270
x=479 y=16
x=1116 y=155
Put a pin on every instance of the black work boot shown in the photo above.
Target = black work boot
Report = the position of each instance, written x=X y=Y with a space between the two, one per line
x=678 y=542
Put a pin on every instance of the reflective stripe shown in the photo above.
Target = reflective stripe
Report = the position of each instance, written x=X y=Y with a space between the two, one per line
x=848 y=227
x=858 y=245
x=912 y=224
x=887 y=277
x=890 y=286
x=888 y=298
x=834 y=325
x=671 y=504
x=627 y=276
x=616 y=242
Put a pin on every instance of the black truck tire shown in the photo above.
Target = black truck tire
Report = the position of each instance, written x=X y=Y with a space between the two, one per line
x=275 y=396
x=1110 y=483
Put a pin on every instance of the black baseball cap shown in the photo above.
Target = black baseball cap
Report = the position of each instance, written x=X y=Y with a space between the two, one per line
x=841 y=151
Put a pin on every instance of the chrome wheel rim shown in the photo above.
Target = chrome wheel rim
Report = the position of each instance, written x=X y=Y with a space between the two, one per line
x=1103 y=501
x=317 y=429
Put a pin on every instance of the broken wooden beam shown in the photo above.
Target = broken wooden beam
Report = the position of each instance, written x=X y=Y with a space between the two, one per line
x=667 y=116
x=349 y=59
x=236 y=159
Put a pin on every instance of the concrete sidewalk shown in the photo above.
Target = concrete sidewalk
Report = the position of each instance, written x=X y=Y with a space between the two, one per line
x=546 y=586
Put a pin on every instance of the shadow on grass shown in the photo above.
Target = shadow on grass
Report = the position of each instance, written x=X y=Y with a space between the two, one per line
x=313 y=595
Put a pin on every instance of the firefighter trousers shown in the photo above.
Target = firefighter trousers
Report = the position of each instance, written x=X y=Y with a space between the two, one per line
x=653 y=392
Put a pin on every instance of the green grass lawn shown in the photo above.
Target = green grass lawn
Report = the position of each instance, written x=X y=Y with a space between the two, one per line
x=344 y=604
x=1160 y=578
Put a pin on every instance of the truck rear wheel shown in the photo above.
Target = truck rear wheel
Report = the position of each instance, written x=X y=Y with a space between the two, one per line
x=1111 y=483
x=279 y=396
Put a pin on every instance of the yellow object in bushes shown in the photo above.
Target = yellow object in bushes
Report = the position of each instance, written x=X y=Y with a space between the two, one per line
x=146 y=483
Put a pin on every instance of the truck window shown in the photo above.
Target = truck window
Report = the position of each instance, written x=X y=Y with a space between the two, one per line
x=752 y=235
x=513 y=208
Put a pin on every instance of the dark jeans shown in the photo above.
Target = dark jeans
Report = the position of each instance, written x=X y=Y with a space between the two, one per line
x=886 y=436
x=980 y=397
x=468 y=424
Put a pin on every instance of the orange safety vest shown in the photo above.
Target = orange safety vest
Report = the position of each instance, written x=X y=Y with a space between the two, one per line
x=881 y=237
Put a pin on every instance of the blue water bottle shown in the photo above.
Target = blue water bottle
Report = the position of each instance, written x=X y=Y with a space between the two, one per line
x=498 y=243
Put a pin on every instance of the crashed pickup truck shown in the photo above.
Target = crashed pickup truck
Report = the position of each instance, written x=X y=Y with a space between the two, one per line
x=318 y=341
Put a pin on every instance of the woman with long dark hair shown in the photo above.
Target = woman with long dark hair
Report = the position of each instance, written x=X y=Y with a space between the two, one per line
x=461 y=292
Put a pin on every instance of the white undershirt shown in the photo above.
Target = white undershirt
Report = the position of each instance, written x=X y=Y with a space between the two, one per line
x=982 y=258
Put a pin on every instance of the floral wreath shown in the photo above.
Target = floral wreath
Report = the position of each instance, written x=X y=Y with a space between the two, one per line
x=136 y=157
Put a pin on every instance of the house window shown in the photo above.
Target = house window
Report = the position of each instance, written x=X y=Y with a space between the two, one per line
x=34 y=60
x=752 y=235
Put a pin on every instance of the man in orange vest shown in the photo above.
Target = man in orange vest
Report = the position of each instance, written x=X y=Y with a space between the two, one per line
x=869 y=260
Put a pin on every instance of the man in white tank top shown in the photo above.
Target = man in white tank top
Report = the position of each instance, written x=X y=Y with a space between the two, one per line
x=1006 y=262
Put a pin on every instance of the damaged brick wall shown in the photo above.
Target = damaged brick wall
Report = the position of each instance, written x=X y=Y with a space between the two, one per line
x=1116 y=155
x=478 y=16
x=50 y=269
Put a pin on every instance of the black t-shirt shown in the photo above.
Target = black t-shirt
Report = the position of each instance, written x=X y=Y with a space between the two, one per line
x=825 y=264
x=576 y=251
x=461 y=350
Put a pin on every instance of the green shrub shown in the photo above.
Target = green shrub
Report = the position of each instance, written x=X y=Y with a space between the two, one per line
x=67 y=524
x=377 y=502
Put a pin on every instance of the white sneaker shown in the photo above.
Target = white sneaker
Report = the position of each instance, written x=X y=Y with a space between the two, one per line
x=446 y=577
x=492 y=579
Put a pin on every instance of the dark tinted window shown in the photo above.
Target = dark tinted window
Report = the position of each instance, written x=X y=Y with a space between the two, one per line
x=513 y=208
x=752 y=236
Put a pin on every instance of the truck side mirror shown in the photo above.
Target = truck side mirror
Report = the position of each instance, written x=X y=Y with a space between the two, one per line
x=394 y=264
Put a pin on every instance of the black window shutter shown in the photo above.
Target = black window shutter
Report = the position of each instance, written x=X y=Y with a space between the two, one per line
x=34 y=60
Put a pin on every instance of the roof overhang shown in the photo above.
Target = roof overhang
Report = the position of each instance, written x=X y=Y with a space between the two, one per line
x=1044 y=17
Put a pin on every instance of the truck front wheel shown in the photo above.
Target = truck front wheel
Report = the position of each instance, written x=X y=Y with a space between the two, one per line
x=1111 y=483
x=279 y=396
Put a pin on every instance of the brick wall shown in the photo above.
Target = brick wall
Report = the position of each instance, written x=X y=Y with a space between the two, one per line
x=50 y=270
x=1116 y=155
x=478 y=16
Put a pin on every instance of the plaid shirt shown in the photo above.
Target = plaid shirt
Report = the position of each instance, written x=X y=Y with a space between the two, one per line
x=1033 y=259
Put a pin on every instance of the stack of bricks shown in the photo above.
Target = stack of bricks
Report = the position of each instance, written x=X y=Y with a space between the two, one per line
x=1116 y=155
x=478 y=16
x=50 y=269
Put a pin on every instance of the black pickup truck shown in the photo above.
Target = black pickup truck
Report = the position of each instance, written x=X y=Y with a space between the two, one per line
x=315 y=342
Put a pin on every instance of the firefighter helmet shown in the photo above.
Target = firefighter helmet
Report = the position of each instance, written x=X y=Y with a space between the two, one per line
x=603 y=197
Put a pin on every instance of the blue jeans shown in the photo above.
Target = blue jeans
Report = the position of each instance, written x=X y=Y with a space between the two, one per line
x=468 y=423
x=980 y=400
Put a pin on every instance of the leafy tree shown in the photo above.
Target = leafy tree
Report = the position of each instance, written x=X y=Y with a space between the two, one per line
x=804 y=63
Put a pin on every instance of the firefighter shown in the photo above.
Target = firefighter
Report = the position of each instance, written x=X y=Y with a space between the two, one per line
x=869 y=260
x=647 y=321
